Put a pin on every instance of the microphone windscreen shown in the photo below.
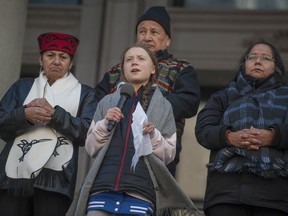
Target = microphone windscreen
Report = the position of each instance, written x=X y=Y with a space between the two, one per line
x=127 y=89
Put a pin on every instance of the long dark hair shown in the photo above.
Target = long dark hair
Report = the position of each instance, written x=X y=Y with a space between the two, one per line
x=153 y=78
x=279 y=66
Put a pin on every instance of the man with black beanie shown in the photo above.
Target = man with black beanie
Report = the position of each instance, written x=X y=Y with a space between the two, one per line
x=177 y=78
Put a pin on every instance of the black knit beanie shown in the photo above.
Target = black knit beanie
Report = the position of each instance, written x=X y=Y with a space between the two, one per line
x=158 y=14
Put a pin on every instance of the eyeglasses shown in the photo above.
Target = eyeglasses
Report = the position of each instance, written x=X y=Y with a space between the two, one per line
x=263 y=58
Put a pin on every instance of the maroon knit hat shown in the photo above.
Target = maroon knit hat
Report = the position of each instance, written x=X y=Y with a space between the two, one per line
x=58 y=41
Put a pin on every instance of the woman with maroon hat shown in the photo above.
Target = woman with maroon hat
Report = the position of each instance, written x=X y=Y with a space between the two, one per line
x=43 y=122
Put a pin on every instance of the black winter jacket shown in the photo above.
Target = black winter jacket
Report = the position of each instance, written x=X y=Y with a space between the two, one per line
x=244 y=105
x=13 y=123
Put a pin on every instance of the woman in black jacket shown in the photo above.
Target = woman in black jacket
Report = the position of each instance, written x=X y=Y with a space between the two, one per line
x=245 y=128
x=43 y=122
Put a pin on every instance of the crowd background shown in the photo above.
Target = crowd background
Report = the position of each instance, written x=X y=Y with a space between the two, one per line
x=204 y=37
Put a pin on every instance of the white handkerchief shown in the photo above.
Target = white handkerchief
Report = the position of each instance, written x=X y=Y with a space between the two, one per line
x=142 y=143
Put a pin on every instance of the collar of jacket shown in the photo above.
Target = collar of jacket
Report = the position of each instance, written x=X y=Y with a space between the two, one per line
x=163 y=54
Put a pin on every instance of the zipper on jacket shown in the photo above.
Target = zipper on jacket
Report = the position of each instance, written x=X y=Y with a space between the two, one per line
x=126 y=143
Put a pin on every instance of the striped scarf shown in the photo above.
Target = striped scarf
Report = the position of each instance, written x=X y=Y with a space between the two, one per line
x=260 y=104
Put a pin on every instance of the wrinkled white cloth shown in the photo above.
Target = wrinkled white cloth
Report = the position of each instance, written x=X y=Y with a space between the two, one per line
x=142 y=143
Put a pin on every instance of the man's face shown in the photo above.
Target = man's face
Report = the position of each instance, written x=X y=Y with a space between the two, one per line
x=152 y=35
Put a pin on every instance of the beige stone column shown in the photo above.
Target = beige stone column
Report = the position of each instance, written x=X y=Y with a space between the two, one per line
x=12 y=24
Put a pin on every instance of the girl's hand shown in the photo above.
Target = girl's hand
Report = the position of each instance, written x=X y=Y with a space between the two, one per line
x=148 y=128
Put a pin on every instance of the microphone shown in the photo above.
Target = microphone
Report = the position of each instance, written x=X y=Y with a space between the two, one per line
x=126 y=92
